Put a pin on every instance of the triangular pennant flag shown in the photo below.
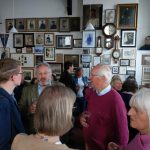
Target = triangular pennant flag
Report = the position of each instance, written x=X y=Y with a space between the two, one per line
x=4 y=39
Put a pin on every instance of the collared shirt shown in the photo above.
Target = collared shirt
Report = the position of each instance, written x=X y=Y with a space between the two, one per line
x=40 y=88
x=104 y=91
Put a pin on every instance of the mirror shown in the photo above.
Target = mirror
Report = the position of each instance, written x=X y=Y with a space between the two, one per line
x=109 y=29
x=108 y=42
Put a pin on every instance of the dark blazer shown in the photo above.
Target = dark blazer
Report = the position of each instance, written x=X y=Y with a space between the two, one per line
x=10 y=120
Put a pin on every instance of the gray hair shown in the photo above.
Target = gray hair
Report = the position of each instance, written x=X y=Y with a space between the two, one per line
x=43 y=64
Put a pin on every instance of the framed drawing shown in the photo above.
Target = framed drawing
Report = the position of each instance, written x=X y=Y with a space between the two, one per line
x=41 y=24
x=110 y=16
x=64 y=24
x=74 y=23
x=96 y=60
x=38 y=49
x=106 y=59
x=4 y=53
x=29 y=39
x=73 y=58
x=127 y=16
x=93 y=14
x=49 y=39
x=146 y=73
x=128 y=38
x=128 y=54
x=38 y=59
x=85 y=58
x=21 y=24
x=27 y=60
x=18 y=40
x=31 y=24
x=88 y=39
x=63 y=41
x=49 y=53
x=115 y=70
x=122 y=70
x=39 y=38
x=124 y=62
x=9 y=24
x=28 y=74
x=77 y=43
x=53 y=24
x=145 y=59
x=57 y=68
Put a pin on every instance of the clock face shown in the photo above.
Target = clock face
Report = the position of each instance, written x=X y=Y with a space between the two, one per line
x=116 y=54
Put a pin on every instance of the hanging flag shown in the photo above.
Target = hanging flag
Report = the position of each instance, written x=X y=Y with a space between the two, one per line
x=4 y=39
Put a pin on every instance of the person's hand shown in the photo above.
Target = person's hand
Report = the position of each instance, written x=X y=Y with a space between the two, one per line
x=114 y=146
x=32 y=107
x=84 y=118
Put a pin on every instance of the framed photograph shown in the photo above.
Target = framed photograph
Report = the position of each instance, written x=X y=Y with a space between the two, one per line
x=115 y=70
x=74 y=23
x=73 y=58
x=57 y=68
x=128 y=38
x=122 y=70
x=38 y=49
x=128 y=54
x=41 y=24
x=28 y=74
x=38 y=59
x=29 y=50
x=18 y=40
x=124 y=62
x=77 y=43
x=131 y=73
x=4 y=53
x=21 y=24
x=64 y=24
x=93 y=14
x=29 y=39
x=64 y=41
x=49 y=39
x=85 y=58
x=49 y=53
x=145 y=59
x=110 y=16
x=9 y=24
x=18 y=50
x=132 y=62
x=146 y=73
x=127 y=16
x=53 y=24
x=96 y=60
x=39 y=38
x=88 y=39
x=27 y=60
x=106 y=59
x=31 y=24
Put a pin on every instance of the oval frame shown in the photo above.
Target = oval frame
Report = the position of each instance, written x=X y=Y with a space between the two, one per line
x=111 y=27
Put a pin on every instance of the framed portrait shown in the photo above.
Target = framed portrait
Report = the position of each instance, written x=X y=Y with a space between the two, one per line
x=38 y=59
x=18 y=40
x=49 y=53
x=28 y=74
x=131 y=73
x=122 y=70
x=110 y=16
x=96 y=60
x=29 y=39
x=57 y=68
x=39 y=38
x=128 y=54
x=115 y=70
x=77 y=43
x=53 y=24
x=106 y=59
x=27 y=60
x=21 y=24
x=64 y=24
x=18 y=50
x=73 y=58
x=127 y=16
x=93 y=14
x=49 y=39
x=41 y=24
x=88 y=39
x=128 y=38
x=132 y=62
x=74 y=23
x=124 y=62
x=38 y=49
x=85 y=58
x=31 y=24
x=29 y=50
x=64 y=41
x=4 y=53
x=9 y=24
x=145 y=59
x=146 y=73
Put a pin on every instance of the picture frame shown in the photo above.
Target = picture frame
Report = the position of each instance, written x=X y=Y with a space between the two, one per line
x=21 y=24
x=28 y=74
x=27 y=60
x=9 y=24
x=132 y=62
x=29 y=50
x=145 y=59
x=127 y=16
x=124 y=62
x=74 y=58
x=49 y=39
x=128 y=54
x=38 y=59
x=74 y=23
x=86 y=72
x=93 y=13
x=64 y=24
x=122 y=70
x=131 y=73
x=29 y=39
x=145 y=73
x=57 y=68
x=18 y=40
x=59 y=57
x=106 y=59
x=115 y=70
x=63 y=41
x=49 y=53
x=38 y=49
x=39 y=38
x=110 y=16
x=31 y=24
x=86 y=51
x=89 y=39
x=96 y=60
x=18 y=50
x=41 y=24
x=86 y=58
x=128 y=38
x=86 y=65
x=77 y=43
x=53 y=24
x=4 y=52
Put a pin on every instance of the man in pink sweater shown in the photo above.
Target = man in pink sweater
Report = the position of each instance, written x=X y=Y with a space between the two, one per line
x=105 y=118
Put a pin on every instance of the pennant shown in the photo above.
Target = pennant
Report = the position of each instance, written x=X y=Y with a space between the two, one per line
x=4 y=39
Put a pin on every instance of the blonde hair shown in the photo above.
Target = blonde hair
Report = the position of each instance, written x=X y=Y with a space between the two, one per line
x=54 y=110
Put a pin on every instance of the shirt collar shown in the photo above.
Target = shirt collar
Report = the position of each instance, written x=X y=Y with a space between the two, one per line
x=104 y=91
x=40 y=88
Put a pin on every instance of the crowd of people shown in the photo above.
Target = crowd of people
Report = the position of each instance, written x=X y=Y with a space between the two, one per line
x=96 y=113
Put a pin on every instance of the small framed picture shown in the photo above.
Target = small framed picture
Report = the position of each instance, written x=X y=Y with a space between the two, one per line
x=9 y=24
x=122 y=70
x=128 y=54
x=53 y=24
x=106 y=59
x=88 y=39
x=64 y=24
x=29 y=39
x=38 y=49
x=63 y=41
x=18 y=40
x=74 y=23
x=38 y=59
x=110 y=16
x=145 y=59
x=49 y=39
x=41 y=24
x=115 y=70
x=77 y=43
x=86 y=51
x=49 y=53
x=39 y=38
x=57 y=68
x=29 y=50
x=18 y=50
x=131 y=73
x=85 y=58
x=21 y=24
x=28 y=74
x=132 y=62
x=59 y=57
x=86 y=65
x=124 y=62
x=73 y=58
x=146 y=73
x=96 y=60
x=31 y=24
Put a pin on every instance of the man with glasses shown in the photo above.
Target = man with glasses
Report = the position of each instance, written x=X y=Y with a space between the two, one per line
x=31 y=93
x=105 y=116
